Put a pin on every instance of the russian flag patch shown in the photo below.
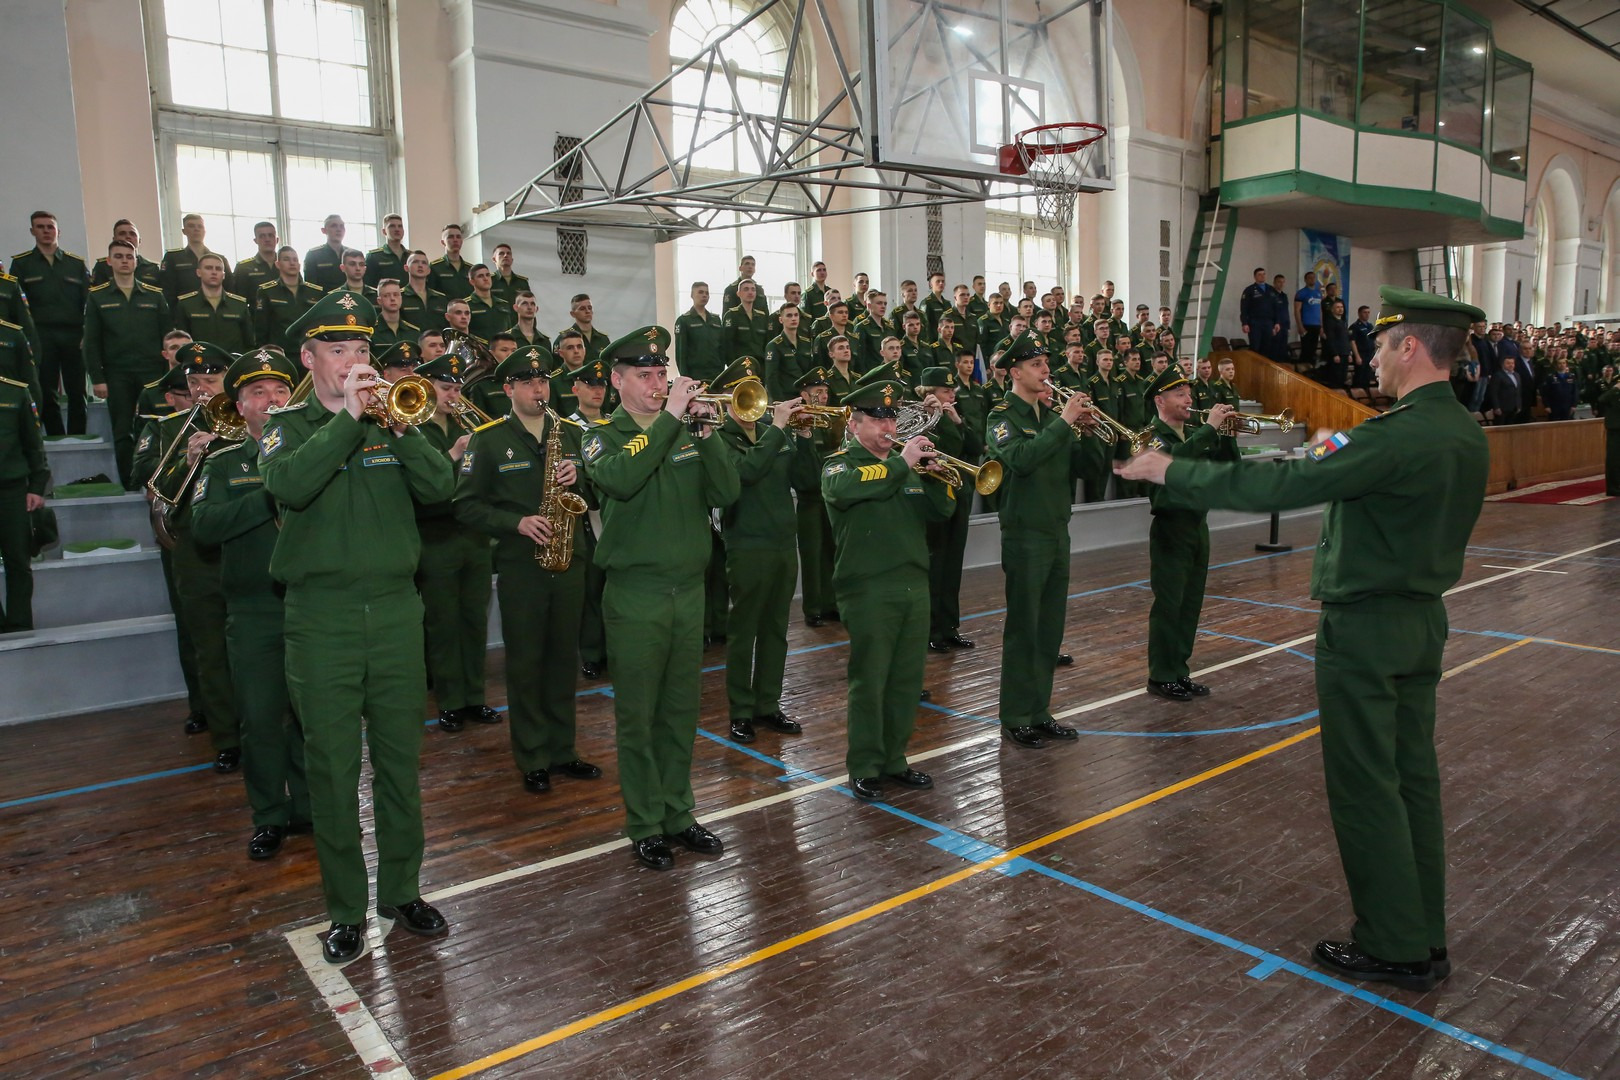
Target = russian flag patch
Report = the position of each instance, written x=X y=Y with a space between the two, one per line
x=1337 y=441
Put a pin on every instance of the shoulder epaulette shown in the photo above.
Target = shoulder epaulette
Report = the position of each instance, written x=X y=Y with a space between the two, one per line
x=317 y=288
x=6 y=277
x=12 y=325
x=147 y=285
x=101 y=261
x=153 y=385
x=1000 y=406
x=151 y=416
x=23 y=254
x=268 y=284
x=174 y=251
x=215 y=451
x=187 y=295
x=239 y=297
x=374 y=250
x=441 y=259
x=838 y=453
x=13 y=382
x=1390 y=411
x=492 y=423
x=568 y=420
x=601 y=421
x=98 y=288
x=290 y=408
x=181 y=414
x=70 y=254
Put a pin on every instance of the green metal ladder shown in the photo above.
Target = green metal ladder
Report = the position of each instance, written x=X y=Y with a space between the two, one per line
x=1203 y=278
x=1436 y=270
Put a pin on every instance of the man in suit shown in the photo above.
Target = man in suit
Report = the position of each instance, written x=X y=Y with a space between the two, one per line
x=1507 y=393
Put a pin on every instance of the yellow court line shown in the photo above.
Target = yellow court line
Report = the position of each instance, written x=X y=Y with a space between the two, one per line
x=626 y=1008
x=1575 y=645
x=1474 y=663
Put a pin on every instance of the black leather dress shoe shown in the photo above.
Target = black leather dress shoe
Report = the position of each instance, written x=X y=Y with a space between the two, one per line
x=780 y=721
x=912 y=778
x=1348 y=959
x=1170 y=691
x=812 y=620
x=957 y=641
x=1028 y=737
x=579 y=770
x=1051 y=729
x=938 y=645
x=196 y=724
x=1063 y=660
x=227 y=760
x=742 y=730
x=343 y=942
x=480 y=714
x=653 y=852
x=537 y=781
x=592 y=671
x=1196 y=689
x=418 y=916
x=1440 y=962
x=266 y=841
x=866 y=787
x=697 y=839
x=449 y=721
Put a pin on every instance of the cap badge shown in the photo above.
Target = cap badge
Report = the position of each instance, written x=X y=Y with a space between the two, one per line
x=346 y=302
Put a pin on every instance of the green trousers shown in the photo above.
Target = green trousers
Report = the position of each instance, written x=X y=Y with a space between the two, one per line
x=1178 y=550
x=655 y=646
x=1036 y=566
x=947 y=545
x=123 y=390
x=592 y=638
x=887 y=621
x=1377 y=666
x=756 y=648
x=272 y=740
x=453 y=576
x=202 y=608
x=182 y=635
x=815 y=557
x=15 y=539
x=540 y=613
x=716 y=594
x=1096 y=469
x=1611 y=461
x=354 y=660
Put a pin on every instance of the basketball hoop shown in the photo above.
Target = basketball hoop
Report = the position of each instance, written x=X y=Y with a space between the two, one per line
x=1055 y=157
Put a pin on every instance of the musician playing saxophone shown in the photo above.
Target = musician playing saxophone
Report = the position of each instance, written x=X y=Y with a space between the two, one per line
x=501 y=488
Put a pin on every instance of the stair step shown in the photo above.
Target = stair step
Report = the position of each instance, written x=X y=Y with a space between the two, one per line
x=76 y=458
x=86 y=667
x=99 y=588
x=103 y=517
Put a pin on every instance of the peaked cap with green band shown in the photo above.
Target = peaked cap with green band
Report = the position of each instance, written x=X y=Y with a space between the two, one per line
x=744 y=367
x=174 y=381
x=880 y=399
x=1168 y=379
x=883 y=373
x=1416 y=306
x=816 y=376
x=1026 y=346
x=446 y=367
x=938 y=377
x=594 y=373
x=647 y=347
x=399 y=354
x=339 y=315
x=203 y=358
x=532 y=362
x=256 y=364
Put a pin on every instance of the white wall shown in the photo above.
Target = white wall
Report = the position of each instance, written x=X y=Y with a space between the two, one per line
x=39 y=169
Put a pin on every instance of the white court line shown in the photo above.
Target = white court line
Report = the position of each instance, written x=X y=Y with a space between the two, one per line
x=1534 y=489
x=1586 y=500
x=1493 y=566
x=378 y=1053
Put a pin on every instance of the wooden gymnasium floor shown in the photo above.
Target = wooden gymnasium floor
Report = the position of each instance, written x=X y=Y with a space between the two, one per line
x=1141 y=903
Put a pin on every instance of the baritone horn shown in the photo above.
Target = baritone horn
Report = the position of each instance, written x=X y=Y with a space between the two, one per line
x=1107 y=428
x=747 y=398
x=818 y=416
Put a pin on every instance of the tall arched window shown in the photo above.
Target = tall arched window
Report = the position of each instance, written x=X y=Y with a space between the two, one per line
x=757 y=56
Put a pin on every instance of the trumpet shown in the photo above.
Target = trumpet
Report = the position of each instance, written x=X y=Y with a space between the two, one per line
x=410 y=401
x=1248 y=423
x=986 y=477
x=747 y=398
x=1107 y=428
x=818 y=416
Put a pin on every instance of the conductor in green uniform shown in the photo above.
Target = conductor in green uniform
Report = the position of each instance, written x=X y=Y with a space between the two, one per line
x=1178 y=540
x=1403 y=491
x=231 y=510
x=880 y=503
x=656 y=481
x=347 y=556
x=23 y=476
x=1041 y=457
x=501 y=492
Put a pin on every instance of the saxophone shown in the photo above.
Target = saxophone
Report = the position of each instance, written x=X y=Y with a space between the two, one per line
x=557 y=505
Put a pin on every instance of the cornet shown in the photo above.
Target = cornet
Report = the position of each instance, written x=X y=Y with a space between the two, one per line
x=1248 y=423
x=407 y=402
x=747 y=398
x=986 y=477
x=1107 y=428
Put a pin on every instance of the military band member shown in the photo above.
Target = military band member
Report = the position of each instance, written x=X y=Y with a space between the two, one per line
x=145 y=269
x=699 y=338
x=278 y=304
x=814 y=529
x=258 y=268
x=788 y=355
x=213 y=315
x=55 y=283
x=525 y=329
x=480 y=387
x=947 y=540
x=590 y=395
x=490 y=313
x=124 y=323
x=323 y=263
x=388 y=261
x=153 y=400
x=421 y=303
x=353 y=617
x=760 y=530
x=231 y=510
x=178 y=272
x=24 y=474
x=398 y=360
x=1131 y=387
x=391 y=326
x=1042 y=457
x=448 y=273
x=880 y=504
x=745 y=328
x=583 y=313
x=656 y=481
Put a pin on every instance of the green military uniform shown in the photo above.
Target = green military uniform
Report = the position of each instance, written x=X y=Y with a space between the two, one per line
x=150 y=403
x=507 y=288
x=880 y=508
x=866 y=336
x=563 y=402
x=814 y=529
x=991 y=328
x=249 y=274
x=656 y=486
x=323 y=267
x=699 y=344
x=56 y=289
x=424 y=310
x=934 y=306
x=449 y=278
x=145 y=270
x=785 y=363
x=1041 y=458
x=1224 y=393
x=23 y=472
x=178 y=272
x=915 y=354
x=226 y=322
x=595 y=341
x=814 y=301
x=1130 y=391
x=347 y=554
x=453 y=577
x=964 y=338
x=231 y=510
x=539 y=341
x=489 y=317
x=839 y=383
x=123 y=348
x=743 y=333
x=824 y=337
x=383 y=263
x=1403 y=492
x=1099 y=453
x=896 y=324
x=17 y=356
x=947 y=540
x=1609 y=403
x=592 y=636
x=503 y=479
x=385 y=336
x=276 y=307
x=760 y=530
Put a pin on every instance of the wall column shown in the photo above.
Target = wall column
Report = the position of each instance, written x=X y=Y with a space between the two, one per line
x=40 y=170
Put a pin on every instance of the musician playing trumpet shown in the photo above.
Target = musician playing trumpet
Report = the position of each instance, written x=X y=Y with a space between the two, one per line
x=501 y=490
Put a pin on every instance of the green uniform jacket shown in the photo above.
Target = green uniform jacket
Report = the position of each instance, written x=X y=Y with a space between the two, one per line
x=897 y=324
x=1132 y=407
x=974 y=410
x=276 y=307
x=785 y=361
x=228 y=324
x=383 y=335
x=838 y=383
x=156 y=436
x=814 y=301
x=124 y=333
x=502 y=480
x=1104 y=393
x=744 y=334
x=866 y=343
x=1199 y=443
x=448 y=279
x=967 y=330
x=426 y=312
x=824 y=336
x=22 y=445
x=324 y=267
x=879 y=507
x=507 y=288
x=382 y=263
x=934 y=307
x=436 y=520
x=914 y=356
x=249 y=274
x=145 y=270
x=1403 y=491
x=562 y=401
x=14 y=310
x=595 y=341
x=770 y=465
x=231 y=510
x=178 y=274
x=992 y=328
x=524 y=340
x=653 y=485
x=489 y=319
x=55 y=288
x=17 y=355
x=1042 y=458
x=151 y=401
x=344 y=488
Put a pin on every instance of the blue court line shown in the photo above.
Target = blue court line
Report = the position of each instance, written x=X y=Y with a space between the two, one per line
x=104 y=785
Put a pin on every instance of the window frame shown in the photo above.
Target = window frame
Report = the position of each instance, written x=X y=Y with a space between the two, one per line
x=1024 y=225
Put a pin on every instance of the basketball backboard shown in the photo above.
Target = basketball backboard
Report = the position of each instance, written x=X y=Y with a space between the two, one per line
x=950 y=82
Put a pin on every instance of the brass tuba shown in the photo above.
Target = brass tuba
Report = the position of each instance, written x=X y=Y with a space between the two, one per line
x=561 y=507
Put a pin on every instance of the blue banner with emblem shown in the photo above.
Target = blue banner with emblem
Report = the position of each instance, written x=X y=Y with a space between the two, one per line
x=1328 y=256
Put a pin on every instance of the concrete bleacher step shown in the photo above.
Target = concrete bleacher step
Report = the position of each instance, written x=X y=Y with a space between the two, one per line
x=103 y=517
x=88 y=666
x=74 y=458
x=97 y=420
x=98 y=589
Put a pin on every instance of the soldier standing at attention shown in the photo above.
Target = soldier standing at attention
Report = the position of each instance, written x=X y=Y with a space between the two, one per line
x=323 y=263
x=815 y=297
x=584 y=315
x=178 y=272
x=388 y=261
x=992 y=326
x=1042 y=457
x=421 y=304
x=55 y=283
x=1403 y=492
x=656 y=481
x=857 y=298
x=23 y=476
x=259 y=267
x=282 y=302
x=880 y=504
x=448 y=273
x=731 y=296
x=124 y=323
x=1257 y=309
x=936 y=304
x=145 y=269
x=787 y=356
x=866 y=333
x=211 y=314
x=745 y=328
x=490 y=314
x=391 y=327
x=230 y=510
x=947 y=540
x=525 y=330
x=837 y=327
x=590 y=394
x=501 y=493
x=1104 y=394
x=699 y=349
x=347 y=554
x=506 y=283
